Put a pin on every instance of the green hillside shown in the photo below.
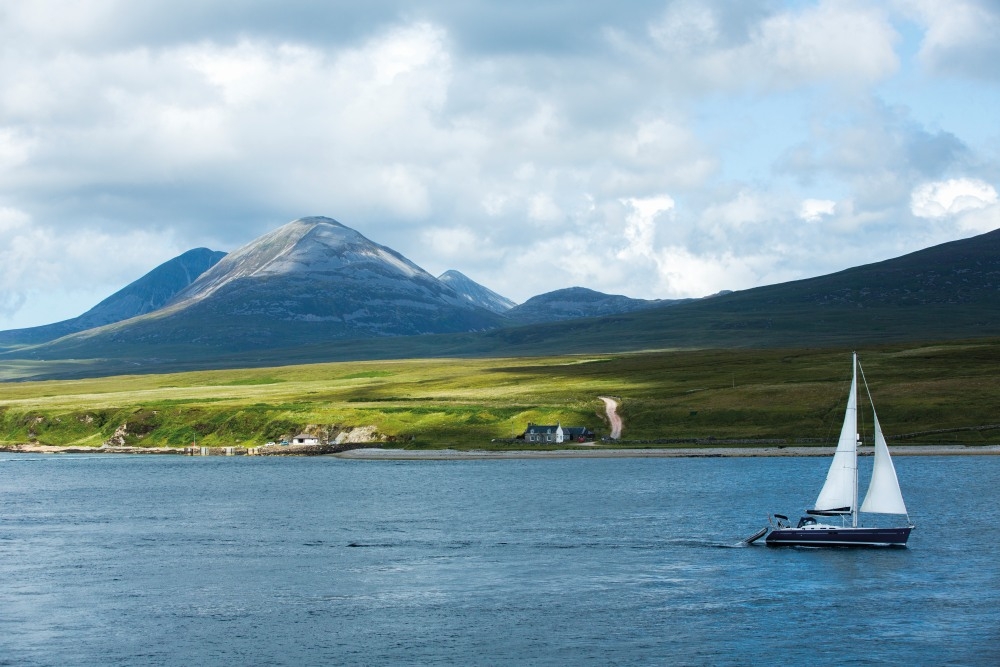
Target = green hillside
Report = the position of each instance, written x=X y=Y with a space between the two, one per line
x=925 y=394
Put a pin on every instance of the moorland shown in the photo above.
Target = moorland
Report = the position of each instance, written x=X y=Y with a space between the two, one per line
x=935 y=393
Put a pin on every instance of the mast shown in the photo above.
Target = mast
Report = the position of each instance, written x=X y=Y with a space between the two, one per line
x=839 y=495
x=857 y=439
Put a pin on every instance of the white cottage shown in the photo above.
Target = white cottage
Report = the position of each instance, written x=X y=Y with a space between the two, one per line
x=538 y=433
x=305 y=439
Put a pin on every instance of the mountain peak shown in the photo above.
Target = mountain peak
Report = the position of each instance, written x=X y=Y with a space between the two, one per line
x=315 y=220
x=308 y=246
x=475 y=293
x=326 y=230
x=318 y=272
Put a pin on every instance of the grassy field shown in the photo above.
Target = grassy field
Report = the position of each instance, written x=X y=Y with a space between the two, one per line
x=942 y=393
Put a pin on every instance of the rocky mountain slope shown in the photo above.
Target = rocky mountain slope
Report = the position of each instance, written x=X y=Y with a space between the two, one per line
x=476 y=293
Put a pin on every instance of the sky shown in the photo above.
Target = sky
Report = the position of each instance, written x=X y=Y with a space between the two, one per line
x=657 y=149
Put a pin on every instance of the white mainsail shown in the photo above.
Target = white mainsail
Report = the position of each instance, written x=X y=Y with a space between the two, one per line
x=839 y=493
x=884 y=496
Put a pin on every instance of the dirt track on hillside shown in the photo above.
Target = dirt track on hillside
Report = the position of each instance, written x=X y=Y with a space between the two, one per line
x=611 y=408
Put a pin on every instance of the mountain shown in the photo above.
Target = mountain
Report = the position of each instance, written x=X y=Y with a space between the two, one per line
x=309 y=281
x=148 y=293
x=316 y=270
x=577 y=302
x=947 y=292
x=476 y=293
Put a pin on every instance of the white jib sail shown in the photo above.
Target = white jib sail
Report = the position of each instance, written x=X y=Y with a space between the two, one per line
x=884 y=496
x=840 y=492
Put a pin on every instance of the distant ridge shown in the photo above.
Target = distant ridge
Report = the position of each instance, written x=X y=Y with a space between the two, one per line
x=578 y=302
x=947 y=292
x=148 y=293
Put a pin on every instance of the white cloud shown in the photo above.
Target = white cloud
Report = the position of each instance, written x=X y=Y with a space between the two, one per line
x=814 y=210
x=404 y=191
x=483 y=137
x=640 y=228
x=743 y=247
x=747 y=208
x=661 y=146
x=980 y=220
x=453 y=243
x=943 y=199
x=542 y=209
x=58 y=22
x=960 y=37
x=268 y=114
x=12 y=220
x=82 y=266
x=850 y=44
x=684 y=274
x=844 y=42
x=15 y=149
x=686 y=27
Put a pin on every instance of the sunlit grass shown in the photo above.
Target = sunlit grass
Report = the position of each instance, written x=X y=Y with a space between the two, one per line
x=796 y=395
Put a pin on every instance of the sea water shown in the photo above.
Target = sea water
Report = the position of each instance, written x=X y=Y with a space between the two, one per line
x=143 y=560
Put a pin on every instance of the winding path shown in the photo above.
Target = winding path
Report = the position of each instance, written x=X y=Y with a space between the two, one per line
x=611 y=407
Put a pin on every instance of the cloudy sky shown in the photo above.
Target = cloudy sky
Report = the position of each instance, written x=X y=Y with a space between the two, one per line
x=657 y=149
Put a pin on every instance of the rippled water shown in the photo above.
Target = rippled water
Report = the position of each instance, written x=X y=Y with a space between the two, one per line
x=111 y=560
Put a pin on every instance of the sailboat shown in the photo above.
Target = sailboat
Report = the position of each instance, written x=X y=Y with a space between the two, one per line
x=839 y=495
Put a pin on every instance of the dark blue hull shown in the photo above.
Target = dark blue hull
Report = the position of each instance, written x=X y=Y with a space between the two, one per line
x=838 y=537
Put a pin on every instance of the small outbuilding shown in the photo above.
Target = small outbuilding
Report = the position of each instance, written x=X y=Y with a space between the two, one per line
x=578 y=434
x=305 y=439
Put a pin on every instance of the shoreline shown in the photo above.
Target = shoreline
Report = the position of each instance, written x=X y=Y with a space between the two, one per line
x=380 y=454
